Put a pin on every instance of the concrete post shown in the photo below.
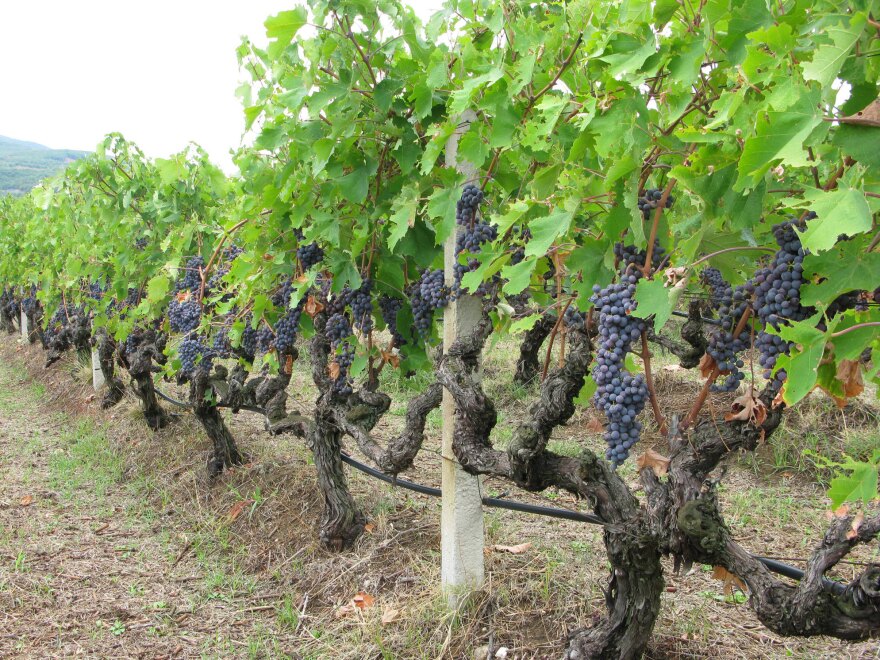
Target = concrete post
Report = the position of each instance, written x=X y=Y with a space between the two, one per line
x=97 y=374
x=461 y=524
x=25 y=331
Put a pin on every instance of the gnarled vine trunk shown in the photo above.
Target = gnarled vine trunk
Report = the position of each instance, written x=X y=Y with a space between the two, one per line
x=528 y=365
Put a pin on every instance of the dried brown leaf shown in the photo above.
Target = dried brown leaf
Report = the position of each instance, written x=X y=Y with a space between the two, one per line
x=595 y=425
x=333 y=370
x=27 y=500
x=512 y=549
x=707 y=365
x=236 y=509
x=869 y=116
x=313 y=307
x=654 y=460
x=747 y=408
x=853 y=533
x=363 y=600
x=390 y=615
x=730 y=580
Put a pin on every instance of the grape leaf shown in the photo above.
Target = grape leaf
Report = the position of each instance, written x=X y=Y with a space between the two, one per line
x=654 y=299
x=847 y=267
x=779 y=137
x=829 y=57
x=859 y=486
x=841 y=211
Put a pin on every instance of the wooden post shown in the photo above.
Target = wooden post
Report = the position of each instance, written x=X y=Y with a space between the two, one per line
x=97 y=374
x=461 y=524
x=25 y=332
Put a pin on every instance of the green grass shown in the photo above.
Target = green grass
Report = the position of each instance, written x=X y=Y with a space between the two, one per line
x=85 y=460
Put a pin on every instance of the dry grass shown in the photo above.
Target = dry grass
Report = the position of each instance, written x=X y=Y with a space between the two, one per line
x=256 y=584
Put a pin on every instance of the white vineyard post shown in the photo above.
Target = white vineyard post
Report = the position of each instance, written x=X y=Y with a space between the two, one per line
x=97 y=374
x=25 y=331
x=461 y=523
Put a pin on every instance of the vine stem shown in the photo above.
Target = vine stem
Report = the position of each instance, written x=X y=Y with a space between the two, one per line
x=553 y=334
x=652 y=393
x=653 y=237
x=207 y=268
x=858 y=326
x=730 y=249
x=704 y=393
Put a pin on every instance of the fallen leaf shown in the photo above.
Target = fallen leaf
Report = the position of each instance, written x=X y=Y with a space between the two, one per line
x=654 y=460
x=344 y=610
x=853 y=533
x=595 y=425
x=236 y=509
x=27 y=500
x=512 y=549
x=842 y=511
x=390 y=615
x=672 y=367
x=363 y=600
x=730 y=580
x=368 y=528
x=288 y=365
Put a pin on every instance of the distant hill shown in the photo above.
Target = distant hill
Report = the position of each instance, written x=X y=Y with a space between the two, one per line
x=24 y=164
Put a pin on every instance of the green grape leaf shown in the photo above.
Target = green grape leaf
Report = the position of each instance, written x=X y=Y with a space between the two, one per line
x=829 y=57
x=801 y=366
x=779 y=138
x=841 y=211
x=546 y=230
x=846 y=267
x=858 y=486
x=655 y=300
x=157 y=288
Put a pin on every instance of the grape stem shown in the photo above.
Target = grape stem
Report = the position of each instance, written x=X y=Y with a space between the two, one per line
x=731 y=249
x=223 y=238
x=701 y=398
x=858 y=326
x=652 y=393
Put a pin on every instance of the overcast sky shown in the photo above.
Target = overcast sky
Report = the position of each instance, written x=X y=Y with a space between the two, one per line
x=162 y=72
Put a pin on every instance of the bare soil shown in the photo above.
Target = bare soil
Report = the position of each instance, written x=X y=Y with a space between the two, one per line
x=114 y=543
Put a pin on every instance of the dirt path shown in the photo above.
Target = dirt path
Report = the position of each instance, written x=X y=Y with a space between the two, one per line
x=87 y=569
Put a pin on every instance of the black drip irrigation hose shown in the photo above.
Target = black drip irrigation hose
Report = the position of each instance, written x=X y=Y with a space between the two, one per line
x=497 y=503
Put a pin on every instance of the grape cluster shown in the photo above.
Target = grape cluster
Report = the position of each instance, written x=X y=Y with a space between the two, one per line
x=472 y=236
x=222 y=347
x=192 y=279
x=721 y=291
x=650 y=200
x=723 y=347
x=232 y=252
x=96 y=291
x=362 y=306
x=467 y=205
x=426 y=295
x=286 y=329
x=309 y=255
x=141 y=243
x=629 y=255
x=189 y=353
x=619 y=394
x=389 y=307
x=573 y=318
x=778 y=296
x=338 y=331
x=281 y=297
x=519 y=252
x=263 y=338
x=185 y=315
